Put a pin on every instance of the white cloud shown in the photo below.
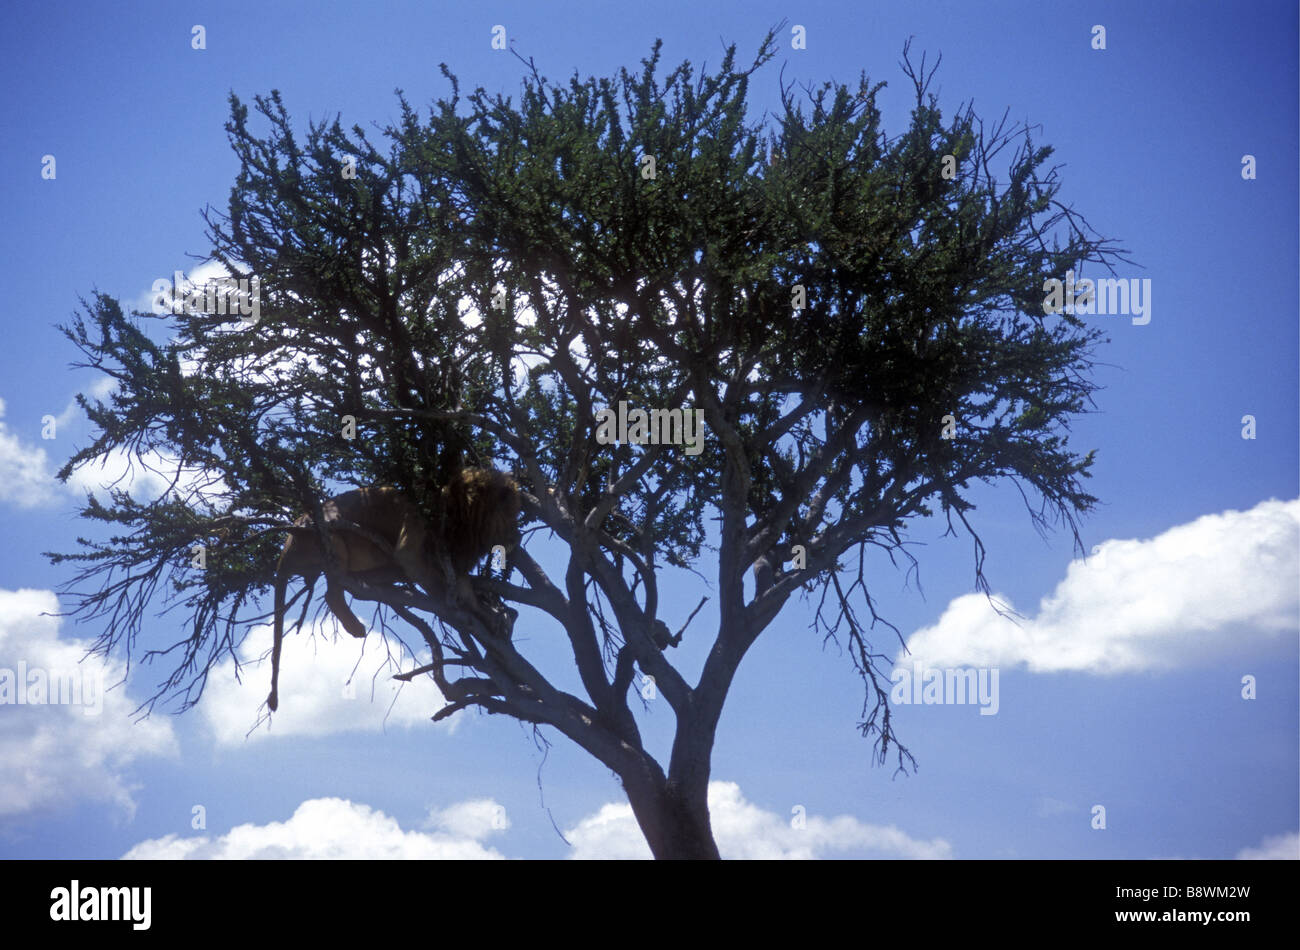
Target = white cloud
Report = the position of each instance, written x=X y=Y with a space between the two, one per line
x=1284 y=847
x=320 y=828
x=1222 y=583
x=335 y=828
x=745 y=831
x=101 y=388
x=25 y=475
x=198 y=277
x=475 y=819
x=53 y=752
x=315 y=699
x=145 y=476
x=612 y=833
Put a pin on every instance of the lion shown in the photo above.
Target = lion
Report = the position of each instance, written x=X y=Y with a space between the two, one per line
x=480 y=509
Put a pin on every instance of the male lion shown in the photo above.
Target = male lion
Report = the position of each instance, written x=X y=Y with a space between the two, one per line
x=480 y=509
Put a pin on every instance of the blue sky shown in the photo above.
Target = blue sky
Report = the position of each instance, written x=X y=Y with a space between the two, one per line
x=1123 y=687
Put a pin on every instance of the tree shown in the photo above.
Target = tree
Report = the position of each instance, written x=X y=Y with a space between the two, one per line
x=861 y=328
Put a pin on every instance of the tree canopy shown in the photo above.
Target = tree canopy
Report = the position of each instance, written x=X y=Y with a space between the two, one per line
x=857 y=319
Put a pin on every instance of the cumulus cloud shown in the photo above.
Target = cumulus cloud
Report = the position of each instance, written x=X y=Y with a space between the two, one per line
x=745 y=831
x=148 y=301
x=321 y=828
x=26 y=478
x=326 y=684
x=1284 y=847
x=146 y=476
x=27 y=473
x=1221 y=583
x=69 y=738
x=475 y=819
x=334 y=828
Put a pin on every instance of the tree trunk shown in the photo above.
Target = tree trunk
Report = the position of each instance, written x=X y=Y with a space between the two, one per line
x=674 y=819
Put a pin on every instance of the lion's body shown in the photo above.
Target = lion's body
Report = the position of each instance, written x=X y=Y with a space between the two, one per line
x=480 y=509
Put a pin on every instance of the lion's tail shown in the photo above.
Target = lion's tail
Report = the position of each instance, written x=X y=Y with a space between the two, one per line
x=281 y=582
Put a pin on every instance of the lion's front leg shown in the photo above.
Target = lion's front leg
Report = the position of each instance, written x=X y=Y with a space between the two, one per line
x=337 y=603
x=438 y=580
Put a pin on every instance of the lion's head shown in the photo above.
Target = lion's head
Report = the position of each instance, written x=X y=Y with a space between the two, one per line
x=481 y=510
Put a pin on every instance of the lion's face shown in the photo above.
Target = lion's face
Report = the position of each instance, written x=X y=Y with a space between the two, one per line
x=507 y=507
x=482 y=510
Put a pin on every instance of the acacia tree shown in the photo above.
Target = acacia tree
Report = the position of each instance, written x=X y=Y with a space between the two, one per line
x=859 y=319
